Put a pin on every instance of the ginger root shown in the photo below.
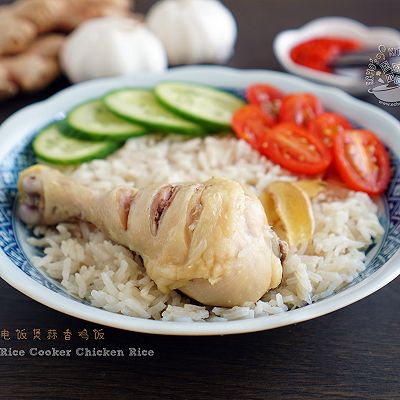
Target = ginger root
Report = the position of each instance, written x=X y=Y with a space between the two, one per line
x=29 y=62
x=87 y=9
x=16 y=33
x=48 y=45
x=21 y=22
x=32 y=70
x=44 y=14
x=8 y=88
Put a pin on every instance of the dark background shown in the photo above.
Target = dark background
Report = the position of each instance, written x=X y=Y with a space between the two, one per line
x=350 y=354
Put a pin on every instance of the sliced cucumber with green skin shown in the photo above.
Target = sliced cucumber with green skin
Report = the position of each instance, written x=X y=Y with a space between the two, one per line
x=200 y=103
x=141 y=106
x=93 y=121
x=52 y=146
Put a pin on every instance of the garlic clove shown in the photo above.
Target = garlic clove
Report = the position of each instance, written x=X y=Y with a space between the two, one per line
x=194 y=31
x=111 y=46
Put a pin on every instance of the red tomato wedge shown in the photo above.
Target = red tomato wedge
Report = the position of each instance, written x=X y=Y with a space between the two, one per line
x=296 y=149
x=327 y=125
x=266 y=96
x=250 y=123
x=362 y=161
x=300 y=109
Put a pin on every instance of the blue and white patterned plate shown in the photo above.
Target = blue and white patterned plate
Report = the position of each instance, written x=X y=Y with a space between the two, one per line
x=383 y=261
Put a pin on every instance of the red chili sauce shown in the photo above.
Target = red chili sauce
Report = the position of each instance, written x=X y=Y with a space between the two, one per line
x=318 y=53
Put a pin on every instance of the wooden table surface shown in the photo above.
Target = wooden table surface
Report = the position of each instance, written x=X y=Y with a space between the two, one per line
x=350 y=354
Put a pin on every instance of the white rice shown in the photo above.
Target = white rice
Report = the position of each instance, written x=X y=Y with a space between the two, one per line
x=106 y=274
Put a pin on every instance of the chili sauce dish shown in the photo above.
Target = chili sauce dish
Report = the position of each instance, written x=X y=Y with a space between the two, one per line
x=202 y=200
x=308 y=51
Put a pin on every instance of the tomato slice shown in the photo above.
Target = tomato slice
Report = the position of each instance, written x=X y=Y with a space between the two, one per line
x=300 y=109
x=362 y=161
x=327 y=125
x=250 y=123
x=296 y=149
x=266 y=96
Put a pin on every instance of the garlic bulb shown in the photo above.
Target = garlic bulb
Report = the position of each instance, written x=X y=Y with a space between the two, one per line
x=194 y=31
x=111 y=46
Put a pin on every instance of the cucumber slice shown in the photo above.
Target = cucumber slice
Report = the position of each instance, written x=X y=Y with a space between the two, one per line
x=141 y=106
x=52 y=146
x=199 y=103
x=93 y=121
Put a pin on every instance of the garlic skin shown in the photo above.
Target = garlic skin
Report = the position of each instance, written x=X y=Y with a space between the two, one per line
x=111 y=46
x=194 y=31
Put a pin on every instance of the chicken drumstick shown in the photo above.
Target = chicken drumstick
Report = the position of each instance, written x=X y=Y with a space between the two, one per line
x=210 y=240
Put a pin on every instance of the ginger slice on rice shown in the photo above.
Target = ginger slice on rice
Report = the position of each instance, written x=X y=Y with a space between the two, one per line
x=313 y=187
x=289 y=211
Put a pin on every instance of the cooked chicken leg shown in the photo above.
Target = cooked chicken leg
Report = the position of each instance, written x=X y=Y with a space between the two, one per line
x=210 y=240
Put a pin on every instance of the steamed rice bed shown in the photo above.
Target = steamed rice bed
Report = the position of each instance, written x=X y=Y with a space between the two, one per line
x=107 y=275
